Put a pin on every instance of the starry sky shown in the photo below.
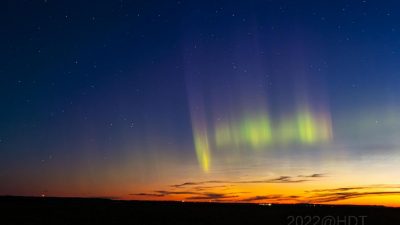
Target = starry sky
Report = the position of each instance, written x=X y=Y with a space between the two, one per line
x=225 y=101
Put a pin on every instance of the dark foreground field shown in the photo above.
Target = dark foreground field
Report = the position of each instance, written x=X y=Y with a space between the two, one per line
x=27 y=210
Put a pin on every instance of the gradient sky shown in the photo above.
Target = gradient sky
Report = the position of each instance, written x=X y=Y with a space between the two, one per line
x=232 y=101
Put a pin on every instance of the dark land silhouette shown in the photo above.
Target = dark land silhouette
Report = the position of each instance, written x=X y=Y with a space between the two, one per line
x=59 y=211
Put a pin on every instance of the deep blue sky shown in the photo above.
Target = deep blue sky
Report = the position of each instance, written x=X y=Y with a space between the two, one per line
x=86 y=85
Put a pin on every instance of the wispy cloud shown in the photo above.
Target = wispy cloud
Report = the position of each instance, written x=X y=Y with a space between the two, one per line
x=315 y=175
x=355 y=188
x=273 y=198
x=332 y=197
x=262 y=197
x=344 y=193
x=212 y=196
x=192 y=195
x=206 y=190
x=280 y=179
x=312 y=196
x=162 y=193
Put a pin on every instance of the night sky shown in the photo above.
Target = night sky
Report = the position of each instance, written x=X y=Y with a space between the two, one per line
x=231 y=101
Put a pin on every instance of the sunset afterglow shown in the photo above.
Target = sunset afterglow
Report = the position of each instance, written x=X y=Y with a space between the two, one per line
x=209 y=101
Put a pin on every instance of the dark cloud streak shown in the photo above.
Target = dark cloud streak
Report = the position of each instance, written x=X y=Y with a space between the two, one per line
x=280 y=179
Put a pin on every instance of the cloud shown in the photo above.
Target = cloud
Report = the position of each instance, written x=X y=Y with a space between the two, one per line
x=148 y=194
x=280 y=179
x=343 y=193
x=207 y=187
x=205 y=190
x=315 y=175
x=331 y=197
x=185 y=184
x=273 y=198
x=312 y=196
x=194 y=195
x=384 y=186
x=162 y=193
x=262 y=197
x=211 y=196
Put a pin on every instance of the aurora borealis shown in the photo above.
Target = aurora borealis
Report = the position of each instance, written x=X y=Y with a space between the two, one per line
x=225 y=101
